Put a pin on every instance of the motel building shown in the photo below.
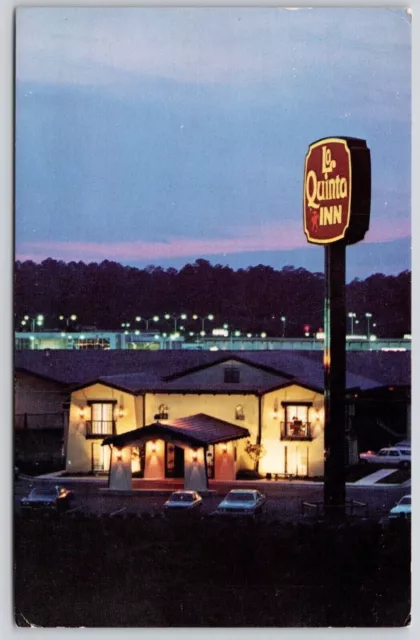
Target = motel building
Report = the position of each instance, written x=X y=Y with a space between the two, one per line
x=200 y=415
x=197 y=424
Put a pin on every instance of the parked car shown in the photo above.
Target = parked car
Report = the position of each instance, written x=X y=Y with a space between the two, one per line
x=47 y=498
x=402 y=509
x=242 y=502
x=183 y=501
x=388 y=456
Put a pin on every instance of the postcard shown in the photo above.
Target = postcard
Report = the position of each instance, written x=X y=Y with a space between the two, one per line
x=212 y=317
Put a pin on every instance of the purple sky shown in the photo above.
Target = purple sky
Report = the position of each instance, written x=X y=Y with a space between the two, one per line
x=159 y=136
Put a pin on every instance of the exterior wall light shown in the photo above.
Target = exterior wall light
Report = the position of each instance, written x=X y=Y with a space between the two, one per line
x=121 y=412
x=194 y=456
x=153 y=447
x=224 y=448
x=119 y=456
x=82 y=413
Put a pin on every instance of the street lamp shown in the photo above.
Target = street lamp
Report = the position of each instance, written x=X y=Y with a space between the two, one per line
x=147 y=320
x=175 y=318
x=71 y=318
x=352 y=317
x=38 y=321
x=368 y=318
x=210 y=317
x=283 y=319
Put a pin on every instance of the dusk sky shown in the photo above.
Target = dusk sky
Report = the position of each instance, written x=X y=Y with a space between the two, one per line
x=159 y=136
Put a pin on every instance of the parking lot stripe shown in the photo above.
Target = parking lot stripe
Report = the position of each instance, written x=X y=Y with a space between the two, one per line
x=114 y=513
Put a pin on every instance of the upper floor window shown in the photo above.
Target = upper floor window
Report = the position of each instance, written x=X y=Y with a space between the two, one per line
x=296 y=425
x=231 y=374
x=102 y=421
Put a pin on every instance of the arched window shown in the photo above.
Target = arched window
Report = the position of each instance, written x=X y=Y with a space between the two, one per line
x=239 y=412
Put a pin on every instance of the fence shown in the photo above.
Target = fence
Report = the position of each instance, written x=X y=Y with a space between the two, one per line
x=317 y=508
x=39 y=421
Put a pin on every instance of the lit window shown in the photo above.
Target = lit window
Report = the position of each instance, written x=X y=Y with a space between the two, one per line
x=102 y=420
x=296 y=424
x=92 y=343
x=100 y=457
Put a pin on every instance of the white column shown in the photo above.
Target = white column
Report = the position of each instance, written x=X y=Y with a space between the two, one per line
x=120 y=477
x=195 y=475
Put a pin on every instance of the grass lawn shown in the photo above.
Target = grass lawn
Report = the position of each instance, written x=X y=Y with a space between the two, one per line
x=126 y=572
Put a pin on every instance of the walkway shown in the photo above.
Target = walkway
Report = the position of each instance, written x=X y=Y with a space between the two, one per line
x=373 y=478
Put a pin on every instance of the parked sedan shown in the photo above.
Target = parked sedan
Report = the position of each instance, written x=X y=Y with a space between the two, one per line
x=388 y=456
x=402 y=509
x=47 y=499
x=242 y=502
x=181 y=501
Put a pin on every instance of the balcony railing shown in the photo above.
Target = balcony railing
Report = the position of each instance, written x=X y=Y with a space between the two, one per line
x=100 y=428
x=296 y=431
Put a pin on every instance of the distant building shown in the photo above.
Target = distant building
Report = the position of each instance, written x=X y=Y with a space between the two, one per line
x=84 y=340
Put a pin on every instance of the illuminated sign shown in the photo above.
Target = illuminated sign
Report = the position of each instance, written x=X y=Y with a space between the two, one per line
x=336 y=191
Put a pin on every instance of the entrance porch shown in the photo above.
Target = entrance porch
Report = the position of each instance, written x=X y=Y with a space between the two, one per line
x=193 y=448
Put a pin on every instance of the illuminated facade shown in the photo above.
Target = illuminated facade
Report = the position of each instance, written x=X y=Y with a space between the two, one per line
x=285 y=417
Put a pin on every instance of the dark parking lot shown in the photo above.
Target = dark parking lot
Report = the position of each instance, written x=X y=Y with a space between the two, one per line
x=284 y=499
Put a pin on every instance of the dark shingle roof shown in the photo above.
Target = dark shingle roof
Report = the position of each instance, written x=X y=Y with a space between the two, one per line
x=199 y=429
x=135 y=370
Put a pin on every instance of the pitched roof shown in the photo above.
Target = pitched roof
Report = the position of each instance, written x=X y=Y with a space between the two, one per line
x=199 y=430
x=152 y=370
x=137 y=383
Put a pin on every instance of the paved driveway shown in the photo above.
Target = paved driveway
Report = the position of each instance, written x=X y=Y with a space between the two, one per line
x=284 y=498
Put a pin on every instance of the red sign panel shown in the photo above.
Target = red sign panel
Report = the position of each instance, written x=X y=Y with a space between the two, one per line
x=327 y=191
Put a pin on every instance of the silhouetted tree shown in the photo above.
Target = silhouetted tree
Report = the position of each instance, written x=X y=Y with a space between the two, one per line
x=253 y=299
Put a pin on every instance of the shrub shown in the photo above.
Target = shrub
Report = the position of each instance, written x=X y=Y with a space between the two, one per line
x=248 y=474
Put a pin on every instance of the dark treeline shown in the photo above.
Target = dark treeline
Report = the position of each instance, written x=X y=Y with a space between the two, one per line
x=254 y=299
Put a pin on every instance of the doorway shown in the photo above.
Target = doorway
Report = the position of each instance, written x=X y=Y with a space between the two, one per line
x=174 y=461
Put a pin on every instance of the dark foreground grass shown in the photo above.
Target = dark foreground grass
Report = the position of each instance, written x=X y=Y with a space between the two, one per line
x=97 y=572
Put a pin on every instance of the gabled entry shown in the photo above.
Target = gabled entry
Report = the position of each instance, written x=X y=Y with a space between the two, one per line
x=180 y=448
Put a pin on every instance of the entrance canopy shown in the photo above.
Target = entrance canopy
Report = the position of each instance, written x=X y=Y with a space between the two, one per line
x=198 y=430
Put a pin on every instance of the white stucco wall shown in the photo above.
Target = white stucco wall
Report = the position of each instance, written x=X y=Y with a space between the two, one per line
x=217 y=405
x=79 y=448
x=303 y=457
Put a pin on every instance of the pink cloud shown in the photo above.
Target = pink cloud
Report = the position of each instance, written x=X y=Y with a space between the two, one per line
x=274 y=237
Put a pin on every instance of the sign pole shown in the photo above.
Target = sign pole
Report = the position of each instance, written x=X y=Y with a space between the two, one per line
x=336 y=213
x=335 y=379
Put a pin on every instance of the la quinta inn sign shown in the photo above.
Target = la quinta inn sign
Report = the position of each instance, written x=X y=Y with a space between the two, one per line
x=337 y=191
